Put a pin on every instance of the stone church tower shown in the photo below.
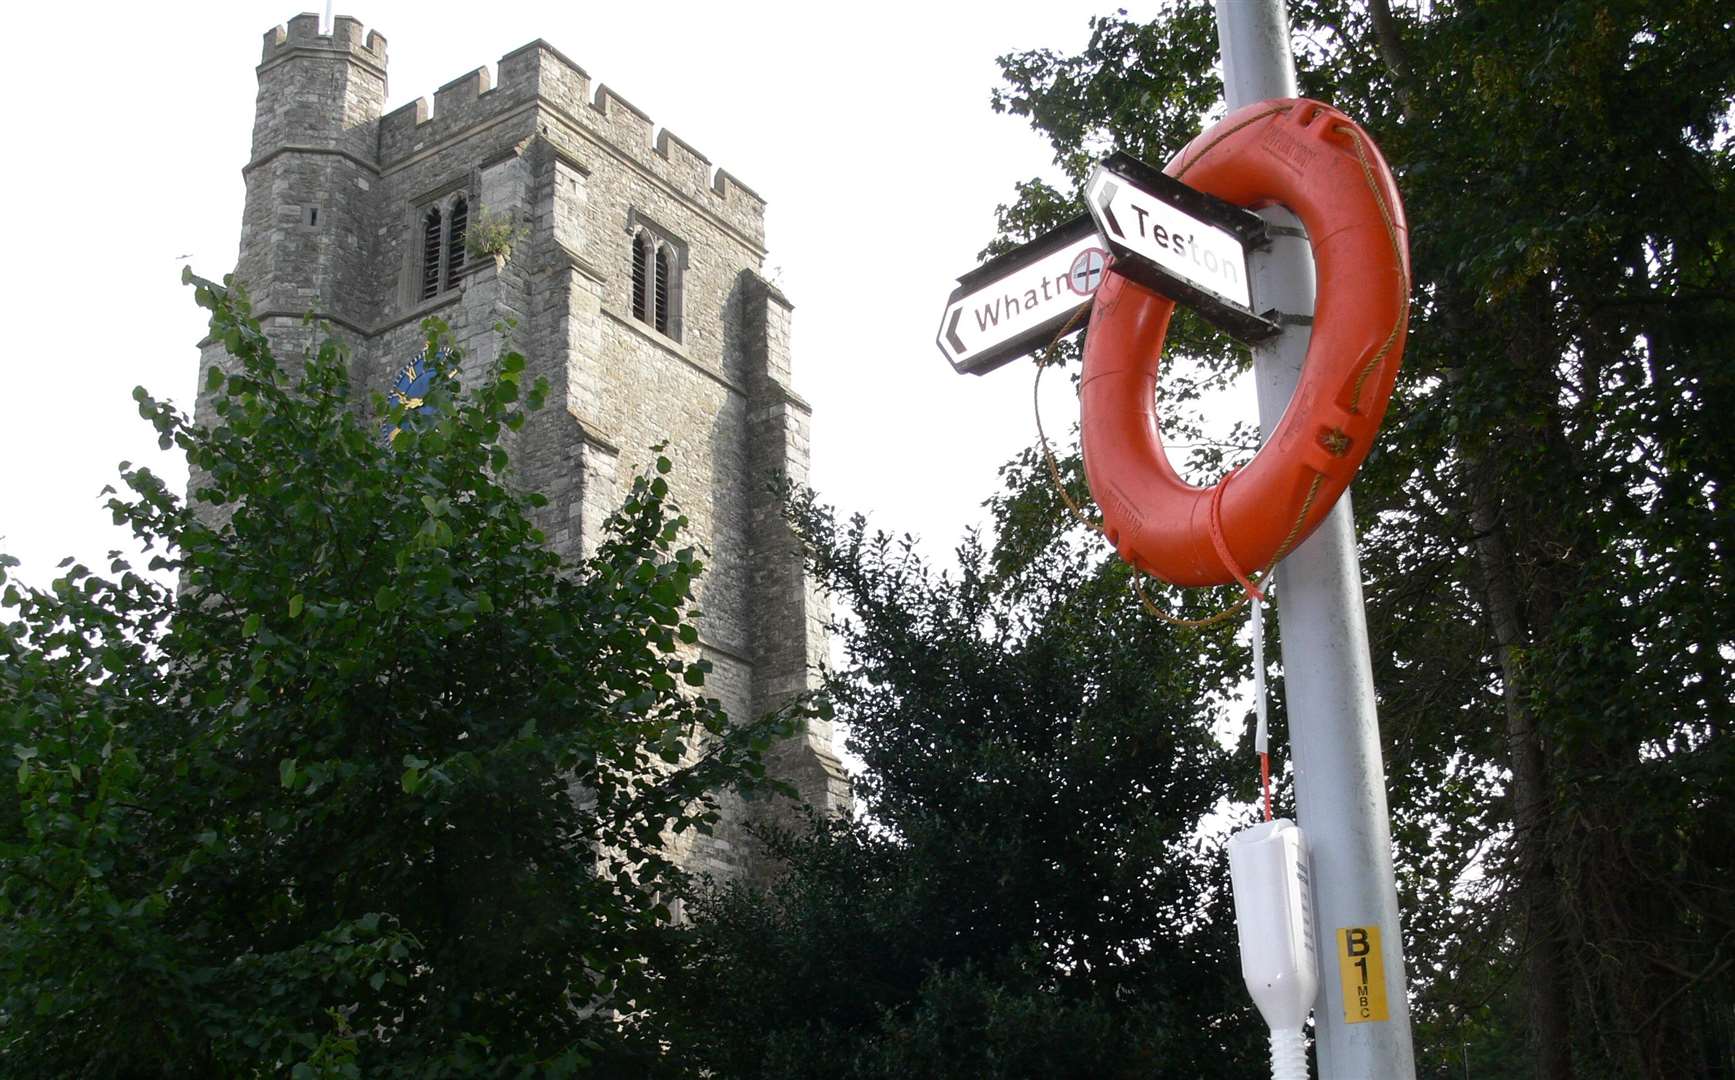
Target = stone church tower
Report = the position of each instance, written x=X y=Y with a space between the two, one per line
x=635 y=291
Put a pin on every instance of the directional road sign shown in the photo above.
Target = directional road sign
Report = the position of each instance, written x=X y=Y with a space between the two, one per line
x=1179 y=241
x=1017 y=303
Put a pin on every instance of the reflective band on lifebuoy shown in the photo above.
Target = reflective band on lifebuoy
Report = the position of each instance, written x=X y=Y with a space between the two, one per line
x=1313 y=160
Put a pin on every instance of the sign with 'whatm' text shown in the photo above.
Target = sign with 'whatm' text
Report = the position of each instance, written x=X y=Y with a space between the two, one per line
x=1150 y=227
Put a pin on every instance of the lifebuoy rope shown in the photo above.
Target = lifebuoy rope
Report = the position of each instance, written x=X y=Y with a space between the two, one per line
x=1367 y=170
x=1095 y=525
x=1379 y=357
x=1249 y=586
x=1249 y=590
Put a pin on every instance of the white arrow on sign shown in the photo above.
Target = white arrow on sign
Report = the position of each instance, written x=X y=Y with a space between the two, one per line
x=1201 y=254
x=1019 y=301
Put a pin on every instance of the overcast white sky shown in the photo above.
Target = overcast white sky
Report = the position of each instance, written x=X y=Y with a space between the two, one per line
x=867 y=128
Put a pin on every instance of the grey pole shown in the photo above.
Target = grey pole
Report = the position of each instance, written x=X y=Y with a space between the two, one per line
x=1340 y=781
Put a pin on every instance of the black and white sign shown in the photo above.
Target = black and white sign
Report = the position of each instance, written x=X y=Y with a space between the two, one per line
x=1017 y=303
x=1086 y=272
x=1179 y=241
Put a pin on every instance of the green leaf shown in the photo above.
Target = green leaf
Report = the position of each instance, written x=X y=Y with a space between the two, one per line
x=145 y=818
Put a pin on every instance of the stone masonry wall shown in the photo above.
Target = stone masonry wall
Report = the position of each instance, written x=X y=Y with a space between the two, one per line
x=336 y=196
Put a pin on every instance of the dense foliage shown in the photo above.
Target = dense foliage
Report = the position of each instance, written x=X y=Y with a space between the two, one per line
x=379 y=789
x=1546 y=520
x=1545 y=530
x=1027 y=895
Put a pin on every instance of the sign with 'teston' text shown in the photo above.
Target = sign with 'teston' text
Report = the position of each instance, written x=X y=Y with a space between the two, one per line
x=1179 y=241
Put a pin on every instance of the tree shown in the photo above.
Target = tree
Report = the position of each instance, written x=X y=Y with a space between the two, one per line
x=381 y=789
x=1030 y=891
x=1545 y=520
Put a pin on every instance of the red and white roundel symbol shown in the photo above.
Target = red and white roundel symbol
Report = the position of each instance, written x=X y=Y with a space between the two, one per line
x=1086 y=272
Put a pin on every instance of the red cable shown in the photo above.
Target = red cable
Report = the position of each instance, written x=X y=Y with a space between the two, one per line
x=1265 y=782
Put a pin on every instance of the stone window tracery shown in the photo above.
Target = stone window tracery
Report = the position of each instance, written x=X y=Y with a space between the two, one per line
x=656 y=284
x=432 y=229
x=459 y=221
x=443 y=229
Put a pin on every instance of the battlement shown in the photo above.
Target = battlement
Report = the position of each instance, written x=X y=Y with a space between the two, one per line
x=539 y=73
x=346 y=36
x=462 y=91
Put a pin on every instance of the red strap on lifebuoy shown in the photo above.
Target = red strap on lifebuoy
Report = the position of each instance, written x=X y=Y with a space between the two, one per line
x=1222 y=545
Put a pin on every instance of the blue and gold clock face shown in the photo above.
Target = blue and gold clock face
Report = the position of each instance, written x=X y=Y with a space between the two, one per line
x=410 y=388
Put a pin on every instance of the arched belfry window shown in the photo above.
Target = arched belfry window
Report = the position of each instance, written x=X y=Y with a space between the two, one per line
x=663 y=268
x=431 y=233
x=641 y=277
x=443 y=230
x=460 y=220
x=656 y=297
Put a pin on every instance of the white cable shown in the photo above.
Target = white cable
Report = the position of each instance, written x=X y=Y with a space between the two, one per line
x=1261 y=733
x=1273 y=912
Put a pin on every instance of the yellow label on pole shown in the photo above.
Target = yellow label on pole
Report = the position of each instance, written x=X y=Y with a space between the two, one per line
x=1361 y=966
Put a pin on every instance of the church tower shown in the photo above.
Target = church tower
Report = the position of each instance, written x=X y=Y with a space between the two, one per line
x=633 y=286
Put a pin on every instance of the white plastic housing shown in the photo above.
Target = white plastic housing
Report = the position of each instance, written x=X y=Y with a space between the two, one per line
x=1274 y=916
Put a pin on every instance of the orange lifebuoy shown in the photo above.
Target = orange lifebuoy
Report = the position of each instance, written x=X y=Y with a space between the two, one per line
x=1313 y=160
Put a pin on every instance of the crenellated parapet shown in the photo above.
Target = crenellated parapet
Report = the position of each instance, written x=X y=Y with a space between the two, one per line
x=346 y=37
x=462 y=93
x=539 y=75
x=321 y=91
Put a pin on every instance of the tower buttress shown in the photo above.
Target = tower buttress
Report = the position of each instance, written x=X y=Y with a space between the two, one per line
x=313 y=172
x=790 y=615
